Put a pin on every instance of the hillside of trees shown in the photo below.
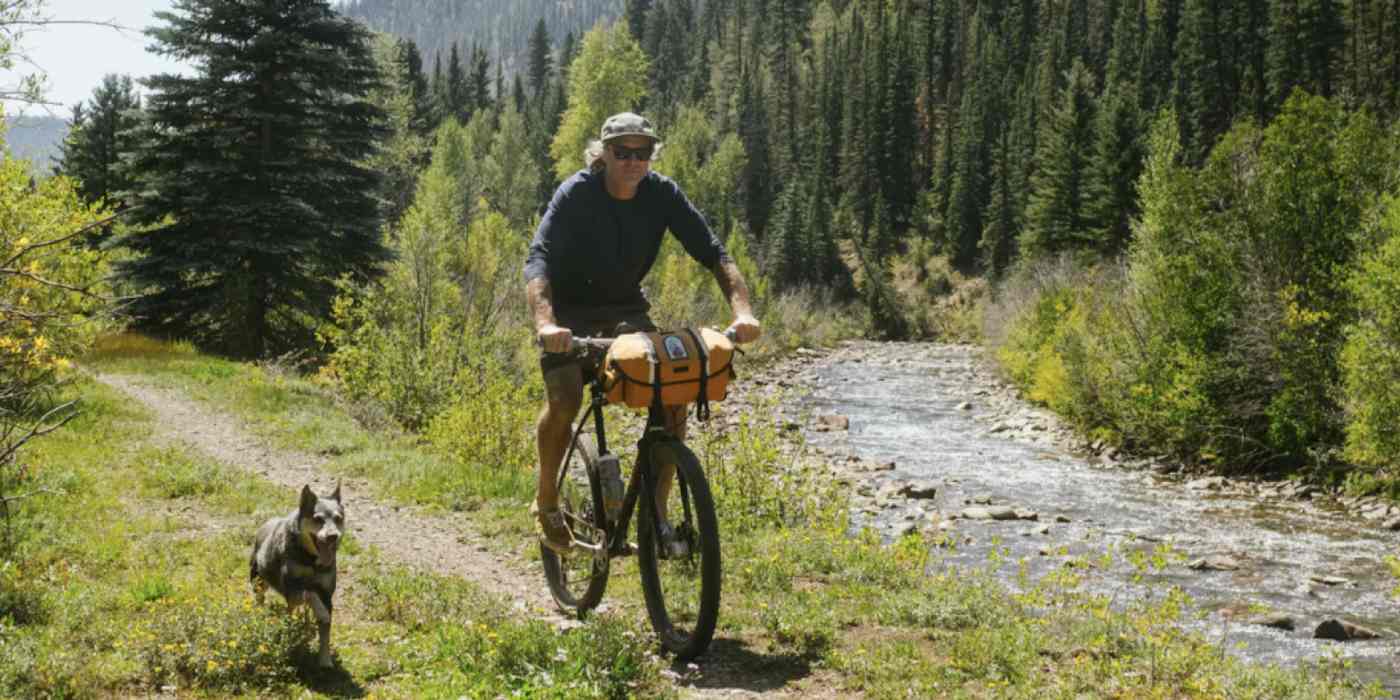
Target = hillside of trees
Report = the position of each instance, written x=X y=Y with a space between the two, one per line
x=500 y=28
x=1174 y=213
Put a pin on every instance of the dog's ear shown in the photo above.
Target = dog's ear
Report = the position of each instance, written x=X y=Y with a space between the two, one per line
x=308 y=501
x=336 y=496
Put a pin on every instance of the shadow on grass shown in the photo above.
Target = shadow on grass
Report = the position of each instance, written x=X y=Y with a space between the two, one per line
x=334 y=682
x=730 y=663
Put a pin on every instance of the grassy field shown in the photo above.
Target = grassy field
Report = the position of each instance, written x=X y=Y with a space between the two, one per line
x=128 y=574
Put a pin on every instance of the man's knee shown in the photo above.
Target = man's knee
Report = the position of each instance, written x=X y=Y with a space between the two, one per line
x=563 y=396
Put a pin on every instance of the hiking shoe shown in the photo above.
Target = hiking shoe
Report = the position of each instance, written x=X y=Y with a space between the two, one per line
x=669 y=543
x=554 y=532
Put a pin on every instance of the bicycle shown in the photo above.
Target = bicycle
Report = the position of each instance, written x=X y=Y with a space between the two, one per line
x=680 y=568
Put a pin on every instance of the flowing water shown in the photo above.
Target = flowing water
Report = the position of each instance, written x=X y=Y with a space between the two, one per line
x=908 y=403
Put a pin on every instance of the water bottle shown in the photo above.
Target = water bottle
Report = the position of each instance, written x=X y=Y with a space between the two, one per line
x=610 y=475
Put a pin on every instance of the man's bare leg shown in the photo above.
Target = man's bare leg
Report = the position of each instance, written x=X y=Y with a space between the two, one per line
x=666 y=473
x=563 y=397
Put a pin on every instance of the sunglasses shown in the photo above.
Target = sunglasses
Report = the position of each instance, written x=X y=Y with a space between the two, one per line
x=624 y=153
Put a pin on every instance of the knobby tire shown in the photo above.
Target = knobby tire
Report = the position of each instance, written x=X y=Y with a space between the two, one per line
x=698 y=610
x=577 y=580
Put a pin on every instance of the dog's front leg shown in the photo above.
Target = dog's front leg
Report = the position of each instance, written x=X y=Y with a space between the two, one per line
x=323 y=627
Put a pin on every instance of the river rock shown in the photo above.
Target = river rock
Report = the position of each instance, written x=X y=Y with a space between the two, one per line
x=829 y=423
x=1342 y=631
x=1392 y=523
x=1002 y=512
x=1209 y=483
x=808 y=352
x=1329 y=580
x=1062 y=518
x=1277 y=621
x=965 y=406
x=989 y=513
x=1027 y=515
x=919 y=489
x=1215 y=562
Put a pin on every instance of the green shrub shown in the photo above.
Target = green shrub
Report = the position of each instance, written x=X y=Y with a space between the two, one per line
x=1371 y=356
x=219 y=639
x=1222 y=341
x=488 y=432
x=757 y=483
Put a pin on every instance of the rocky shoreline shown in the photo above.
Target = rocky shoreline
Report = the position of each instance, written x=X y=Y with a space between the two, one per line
x=1001 y=409
x=895 y=505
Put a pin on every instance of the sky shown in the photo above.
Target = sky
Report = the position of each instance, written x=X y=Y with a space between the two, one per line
x=75 y=57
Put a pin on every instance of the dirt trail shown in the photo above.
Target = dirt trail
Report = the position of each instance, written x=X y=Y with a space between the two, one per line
x=405 y=535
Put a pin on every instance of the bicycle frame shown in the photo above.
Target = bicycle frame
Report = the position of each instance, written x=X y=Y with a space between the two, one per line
x=615 y=533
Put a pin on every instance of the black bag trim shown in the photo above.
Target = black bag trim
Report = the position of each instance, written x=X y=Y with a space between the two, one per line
x=702 y=403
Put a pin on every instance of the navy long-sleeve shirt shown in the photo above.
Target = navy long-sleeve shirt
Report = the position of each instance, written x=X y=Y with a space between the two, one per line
x=595 y=250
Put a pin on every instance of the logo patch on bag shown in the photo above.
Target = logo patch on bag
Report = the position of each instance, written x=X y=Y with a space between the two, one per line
x=675 y=348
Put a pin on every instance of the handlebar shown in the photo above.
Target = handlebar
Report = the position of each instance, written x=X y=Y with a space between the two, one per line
x=584 y=344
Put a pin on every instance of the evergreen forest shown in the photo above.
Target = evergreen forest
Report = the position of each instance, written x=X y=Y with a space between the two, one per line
x=1169 y=218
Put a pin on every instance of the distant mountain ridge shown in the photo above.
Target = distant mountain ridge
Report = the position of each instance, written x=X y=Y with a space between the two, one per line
x=501 y=26
x=37 y=139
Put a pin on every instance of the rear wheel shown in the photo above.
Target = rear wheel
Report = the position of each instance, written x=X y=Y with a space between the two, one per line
x=578 y=578
x=682 y=592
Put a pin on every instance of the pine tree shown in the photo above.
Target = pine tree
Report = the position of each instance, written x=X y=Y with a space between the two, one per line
x=1055 y=215
x=541 y=60
x=479 y=82
x=1204 y=84
x=98 y=136
x=1305 y=42
x=404 y=151
x=1112 y=172
x=636 y=13
x=437 y=93
x=255 y=204
x=757 y=180
x=457 y=99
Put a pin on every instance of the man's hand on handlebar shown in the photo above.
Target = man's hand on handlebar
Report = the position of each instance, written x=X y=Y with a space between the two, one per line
x=745 y=328
x=554 y=338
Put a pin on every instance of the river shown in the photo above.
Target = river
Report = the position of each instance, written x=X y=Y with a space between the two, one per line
x=937 y=414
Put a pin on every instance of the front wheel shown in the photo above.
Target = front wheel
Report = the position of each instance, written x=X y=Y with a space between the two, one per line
x=681 y=589
x=578 y=578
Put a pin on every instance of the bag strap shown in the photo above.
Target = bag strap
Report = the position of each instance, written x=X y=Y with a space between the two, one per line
x=702 y=404
x=654 y=359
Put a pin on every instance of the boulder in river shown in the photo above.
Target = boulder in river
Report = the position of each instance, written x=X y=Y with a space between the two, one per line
x=989 y=513
x=919 y=489
x=1278 y=621
x=1342 y=631
x=830 y=423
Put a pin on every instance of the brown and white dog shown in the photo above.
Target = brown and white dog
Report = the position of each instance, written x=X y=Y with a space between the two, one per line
x=295 y=554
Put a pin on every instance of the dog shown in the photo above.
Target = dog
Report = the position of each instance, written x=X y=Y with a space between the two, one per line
x=295 y=555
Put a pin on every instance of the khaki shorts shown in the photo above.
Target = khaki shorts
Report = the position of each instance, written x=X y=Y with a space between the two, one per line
x=563 y=372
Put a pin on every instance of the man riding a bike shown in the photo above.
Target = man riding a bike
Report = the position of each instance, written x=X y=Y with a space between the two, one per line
x=598 y=239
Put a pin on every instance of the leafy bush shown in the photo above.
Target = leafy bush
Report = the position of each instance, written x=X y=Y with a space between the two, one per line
x=449 y=302
x=489 y=431
x=1222 y=342
x=1371 y=355
x=757 y=483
